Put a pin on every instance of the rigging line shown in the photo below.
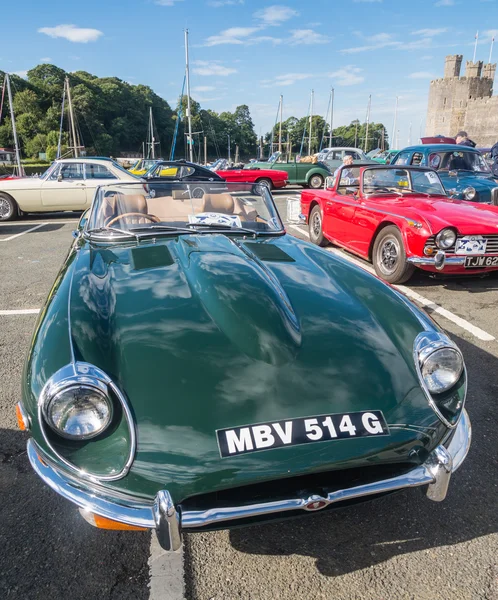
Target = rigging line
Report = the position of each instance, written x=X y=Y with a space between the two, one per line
x=178 y=119
x=273 y=132
x=1 y=103
x=62 y=124
x=305 y=127
x=325 y=123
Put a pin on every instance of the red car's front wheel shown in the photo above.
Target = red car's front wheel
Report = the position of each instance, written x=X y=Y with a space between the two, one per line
x=265 y=181
x=389 y=256
x=315 y=227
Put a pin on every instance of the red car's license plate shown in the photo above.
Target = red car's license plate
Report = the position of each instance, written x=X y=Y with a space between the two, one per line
x=476 y=262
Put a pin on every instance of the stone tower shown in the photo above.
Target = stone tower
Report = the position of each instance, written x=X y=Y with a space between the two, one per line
x=467 y=102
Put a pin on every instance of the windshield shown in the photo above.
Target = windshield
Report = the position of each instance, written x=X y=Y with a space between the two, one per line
x=458 y=161
x=219 y=165
x=378 y=181
x=183 y=208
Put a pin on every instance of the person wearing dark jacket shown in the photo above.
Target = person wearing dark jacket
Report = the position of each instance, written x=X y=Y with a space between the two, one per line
x=494 y=156
x=462 y=139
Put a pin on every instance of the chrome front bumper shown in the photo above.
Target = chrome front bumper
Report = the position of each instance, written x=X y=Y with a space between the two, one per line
x=163 y=516
x=439 y=260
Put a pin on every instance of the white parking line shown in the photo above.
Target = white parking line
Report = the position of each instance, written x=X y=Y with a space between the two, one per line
x=22 y=311
x=432 y=306
x=23 y=232
x=11 y=223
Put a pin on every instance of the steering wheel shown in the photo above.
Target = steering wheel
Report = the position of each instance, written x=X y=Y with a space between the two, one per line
x=152 y=218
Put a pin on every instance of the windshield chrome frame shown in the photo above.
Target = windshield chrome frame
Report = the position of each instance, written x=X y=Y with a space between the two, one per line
x=155 y=233
x=400 y=167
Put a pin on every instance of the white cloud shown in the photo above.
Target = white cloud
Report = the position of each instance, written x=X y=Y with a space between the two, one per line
x=72 y=33
x=203 y=88
x=430 y=32
x=166 y=2
x=284 y=80
x=205 y=67
x=421 y=75
x=46 y=59
x=276 y=14
x=22 y=74
x=220 y=3
x=233 y=35
x=445 y=3
x=348 y=75
x=308 y=37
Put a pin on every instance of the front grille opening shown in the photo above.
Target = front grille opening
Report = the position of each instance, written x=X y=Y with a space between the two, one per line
x=301 y=486
x=491 y=245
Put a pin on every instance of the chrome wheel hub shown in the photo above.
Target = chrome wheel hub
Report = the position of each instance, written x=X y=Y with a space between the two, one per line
x=5 y=208
x=388 y=256
x=316 y=225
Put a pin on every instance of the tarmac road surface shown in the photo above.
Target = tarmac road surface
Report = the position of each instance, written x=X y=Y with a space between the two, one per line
x=401 y=546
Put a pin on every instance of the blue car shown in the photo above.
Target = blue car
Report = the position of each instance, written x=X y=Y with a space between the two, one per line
x=463 y=170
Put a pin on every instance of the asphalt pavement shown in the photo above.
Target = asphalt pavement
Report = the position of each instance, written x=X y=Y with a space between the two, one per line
x=401 y=546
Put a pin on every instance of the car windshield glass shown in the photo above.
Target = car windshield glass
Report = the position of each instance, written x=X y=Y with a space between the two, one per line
x=459 y=160
x=117 y=166
x=177 y=205
x=219 y=165
x=378 y=181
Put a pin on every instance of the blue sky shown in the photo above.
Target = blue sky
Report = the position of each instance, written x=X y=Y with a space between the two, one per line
x=251 y=51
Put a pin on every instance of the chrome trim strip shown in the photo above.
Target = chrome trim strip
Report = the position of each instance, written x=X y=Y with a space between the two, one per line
x=162 y=515
x=85 y=374
x=430 y=261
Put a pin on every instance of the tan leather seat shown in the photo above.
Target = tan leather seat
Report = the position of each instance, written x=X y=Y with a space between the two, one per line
x=118 y=204
x=218 y=203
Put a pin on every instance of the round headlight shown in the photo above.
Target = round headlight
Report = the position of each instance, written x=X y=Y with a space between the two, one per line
x=445 y=239
x=442 y=369
x=78 y=412
x=469 y=193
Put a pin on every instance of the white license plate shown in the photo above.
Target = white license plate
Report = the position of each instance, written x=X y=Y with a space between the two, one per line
x=471 y=245
x=477 y=262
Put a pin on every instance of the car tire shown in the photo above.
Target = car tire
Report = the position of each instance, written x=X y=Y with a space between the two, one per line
x=316 y=181
x=315 y=227
x=265 y=181
x=389 y=256
x=8 y=208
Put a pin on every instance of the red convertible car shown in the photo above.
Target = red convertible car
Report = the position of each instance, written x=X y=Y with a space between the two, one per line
x=273 y=179
x=399 y=219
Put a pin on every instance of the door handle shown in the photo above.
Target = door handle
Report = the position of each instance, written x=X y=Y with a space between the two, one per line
x=80 y=184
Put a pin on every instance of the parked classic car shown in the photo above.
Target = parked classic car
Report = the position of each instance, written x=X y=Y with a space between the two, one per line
x=333 y=157
x=307 y=174
x=180 y=170
x=196 y=368
x=143 y=165
x=400 y=218
x=384 y=158
x=67 y=184
x=271 y=178
x=463 y=170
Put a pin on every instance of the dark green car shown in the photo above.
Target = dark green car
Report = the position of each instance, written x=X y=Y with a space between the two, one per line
x=196 y=368
x=310 y=175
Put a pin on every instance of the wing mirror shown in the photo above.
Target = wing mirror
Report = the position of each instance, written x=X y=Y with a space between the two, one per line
x=329 y=182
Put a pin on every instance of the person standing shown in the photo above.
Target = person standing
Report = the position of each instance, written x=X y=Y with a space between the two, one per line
x=462 y=139
x=494 y=156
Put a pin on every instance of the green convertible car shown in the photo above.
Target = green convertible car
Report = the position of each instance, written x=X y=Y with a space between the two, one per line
x=310 y=175
x=196 y=368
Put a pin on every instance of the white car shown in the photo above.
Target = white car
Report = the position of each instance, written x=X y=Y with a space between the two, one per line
x=67 y=184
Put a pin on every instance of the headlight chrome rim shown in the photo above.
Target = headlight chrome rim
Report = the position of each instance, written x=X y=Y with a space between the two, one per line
x=430 y=356
x=47 y=406
x=469 y=193
x=425 y=344
x=443 y=242
x=81 y=374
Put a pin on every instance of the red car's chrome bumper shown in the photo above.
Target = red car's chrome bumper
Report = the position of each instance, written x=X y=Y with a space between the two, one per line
x=168 y=520
x=450 y=264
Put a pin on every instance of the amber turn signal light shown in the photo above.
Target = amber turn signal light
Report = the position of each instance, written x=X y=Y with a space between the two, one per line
x=104 y=523
x=22 y=419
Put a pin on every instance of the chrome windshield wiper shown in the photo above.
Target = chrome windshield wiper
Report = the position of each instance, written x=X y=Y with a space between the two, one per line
x=123 y=232
x=223 y=228
x=165 y=228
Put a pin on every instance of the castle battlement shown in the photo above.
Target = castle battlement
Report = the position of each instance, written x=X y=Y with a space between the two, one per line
x=464 y=102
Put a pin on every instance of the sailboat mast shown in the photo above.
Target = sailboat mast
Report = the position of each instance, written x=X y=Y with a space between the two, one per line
x=368 y=121
x=280 y=131
x=71 y=117
x=14 y=130
x=59 y=142
x=394 y=124
x=152 y=152
x=311 y=121
x=331 y=115
x=189 y=116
